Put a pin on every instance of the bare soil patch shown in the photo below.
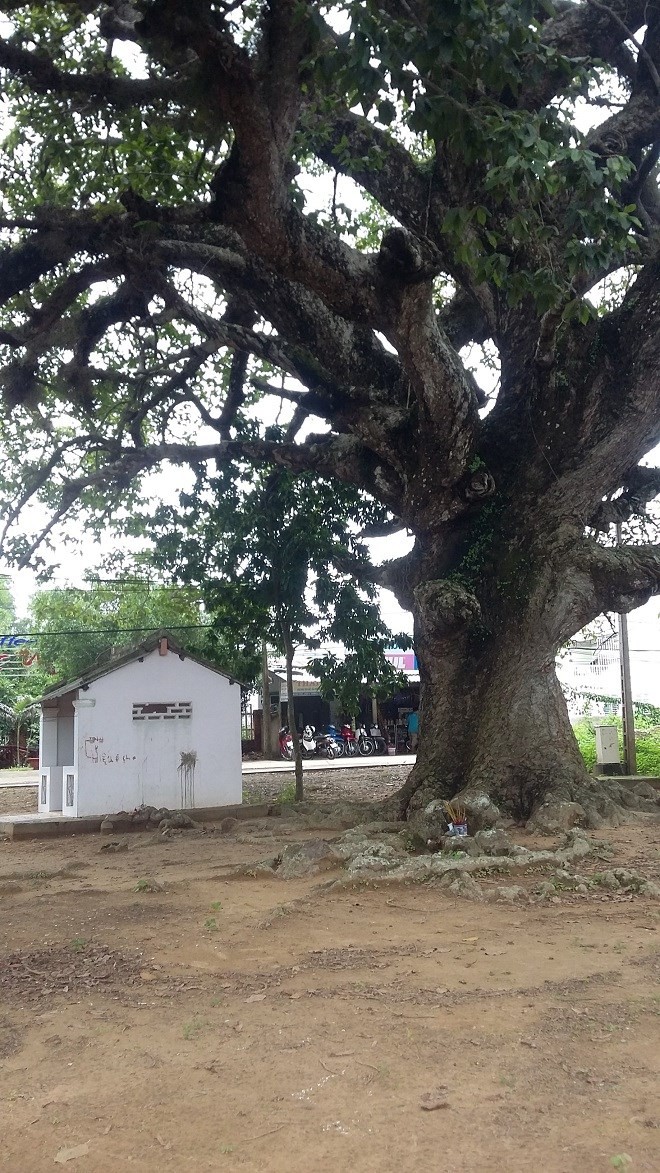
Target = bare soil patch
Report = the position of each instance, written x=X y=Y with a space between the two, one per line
x=16 y=800
x=335 y=785
x=206 y=1021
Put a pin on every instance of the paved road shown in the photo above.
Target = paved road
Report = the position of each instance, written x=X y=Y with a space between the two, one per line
x=358 y=762
x=19 y=777
x=31 y=777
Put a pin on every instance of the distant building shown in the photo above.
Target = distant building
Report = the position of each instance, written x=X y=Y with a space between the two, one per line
x=589 y=669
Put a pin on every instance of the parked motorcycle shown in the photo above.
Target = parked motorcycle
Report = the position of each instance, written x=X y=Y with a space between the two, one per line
x=322 y=744
x=380 y=744
x=350 y=741
x=285 y=742
x=365 y=743
x=338 y=737
x=311 y=744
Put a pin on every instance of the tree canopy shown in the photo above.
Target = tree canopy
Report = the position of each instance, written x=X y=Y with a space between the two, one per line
x=78 y=626
x=280 y=559
x=176 y=287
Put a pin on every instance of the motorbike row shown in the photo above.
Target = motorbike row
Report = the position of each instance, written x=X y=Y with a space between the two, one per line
x=333 y=742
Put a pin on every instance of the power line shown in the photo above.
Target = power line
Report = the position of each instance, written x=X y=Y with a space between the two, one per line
x=111 y=587
x=110 y=630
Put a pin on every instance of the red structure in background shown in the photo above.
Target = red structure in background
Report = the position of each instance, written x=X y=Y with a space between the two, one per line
x=19 y=755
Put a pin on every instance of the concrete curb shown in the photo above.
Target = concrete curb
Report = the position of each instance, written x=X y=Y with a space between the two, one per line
x=33 y=826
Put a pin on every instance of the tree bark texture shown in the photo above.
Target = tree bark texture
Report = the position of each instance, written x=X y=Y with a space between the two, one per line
x=493 y=717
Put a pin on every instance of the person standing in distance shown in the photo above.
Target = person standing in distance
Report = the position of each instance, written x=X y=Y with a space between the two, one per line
x=413 y=729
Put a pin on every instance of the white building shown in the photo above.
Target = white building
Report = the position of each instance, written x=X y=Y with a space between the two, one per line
x=154 y=726
x=590 y=668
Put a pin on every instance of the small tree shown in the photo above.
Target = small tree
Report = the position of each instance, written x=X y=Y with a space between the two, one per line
x=277 y=557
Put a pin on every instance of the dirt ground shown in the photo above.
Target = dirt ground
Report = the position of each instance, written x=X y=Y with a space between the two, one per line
x=158 y=1013
x=334 y=784
x=16 y=799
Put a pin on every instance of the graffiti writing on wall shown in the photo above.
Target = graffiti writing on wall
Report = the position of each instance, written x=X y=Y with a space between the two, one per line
x=102 y=757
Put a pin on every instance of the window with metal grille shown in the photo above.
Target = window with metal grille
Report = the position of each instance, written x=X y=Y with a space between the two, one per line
x=162 y=711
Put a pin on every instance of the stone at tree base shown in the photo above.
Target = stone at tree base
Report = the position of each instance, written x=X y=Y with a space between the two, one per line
x=607 y=800
x=142 y=815
x=645 y=790
x=377 y=857
x=364 y=857
x=632 y=799
x=307 y=859
x=575 y=845
x=603 y=812
x=360 y=840
x=493 y=842
x=508 y=895
x=461 y=884
x=465 y=844
x=481 y=811
x=432 y=827
x=627 y=880
x=435 y=807
x=552 y=817
x=178 y=821
x=412 y=842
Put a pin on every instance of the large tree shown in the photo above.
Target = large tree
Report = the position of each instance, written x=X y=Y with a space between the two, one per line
x=167 y=251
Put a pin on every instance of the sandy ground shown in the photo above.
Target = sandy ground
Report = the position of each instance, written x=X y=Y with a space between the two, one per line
x=158 y=1014
x=16 y=799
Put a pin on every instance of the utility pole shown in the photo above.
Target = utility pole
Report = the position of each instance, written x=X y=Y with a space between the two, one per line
x=629 y=753
x=267 y=746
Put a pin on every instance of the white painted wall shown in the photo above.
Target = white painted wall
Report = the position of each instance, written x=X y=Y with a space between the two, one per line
x=120 y=763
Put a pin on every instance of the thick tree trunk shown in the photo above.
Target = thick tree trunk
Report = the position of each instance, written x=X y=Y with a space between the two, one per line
x=493 y=718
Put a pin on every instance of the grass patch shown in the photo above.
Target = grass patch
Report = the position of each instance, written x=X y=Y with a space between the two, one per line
x=647 y=743
x=287 y=794
x=146 y=885
x=192 y=1030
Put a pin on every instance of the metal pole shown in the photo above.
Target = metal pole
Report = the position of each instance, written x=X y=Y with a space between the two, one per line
x=630 y=755
x=267 y=746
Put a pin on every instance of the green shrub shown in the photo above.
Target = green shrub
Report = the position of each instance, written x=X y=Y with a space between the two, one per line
x=648 y=754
